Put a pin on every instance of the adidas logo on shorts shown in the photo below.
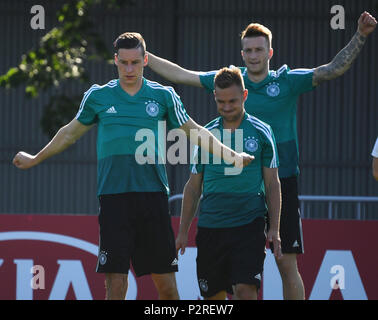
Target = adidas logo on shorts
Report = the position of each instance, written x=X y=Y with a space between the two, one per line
x=258 y=276
x=174 y=262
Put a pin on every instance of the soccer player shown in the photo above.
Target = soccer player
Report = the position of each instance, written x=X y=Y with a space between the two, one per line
x=273 y=99
x=374 y=153
x=134 y=219
x=231 y=226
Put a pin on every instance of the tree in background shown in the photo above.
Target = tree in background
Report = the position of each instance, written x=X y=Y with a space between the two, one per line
x=60 y=56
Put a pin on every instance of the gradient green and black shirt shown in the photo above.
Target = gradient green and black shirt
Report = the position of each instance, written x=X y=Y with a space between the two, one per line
x=124 y=123
x=232 y=198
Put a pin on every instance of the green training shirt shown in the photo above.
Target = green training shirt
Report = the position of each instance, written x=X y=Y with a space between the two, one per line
x=125 y=123
x=274 y=101
x=229 y=199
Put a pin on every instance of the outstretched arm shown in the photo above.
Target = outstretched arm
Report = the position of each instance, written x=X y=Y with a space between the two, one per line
x=202 y=137
x=65 y=137
x=344 y=59
x=173 y=72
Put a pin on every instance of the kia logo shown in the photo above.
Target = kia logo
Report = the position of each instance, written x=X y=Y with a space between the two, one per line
x=30 y=277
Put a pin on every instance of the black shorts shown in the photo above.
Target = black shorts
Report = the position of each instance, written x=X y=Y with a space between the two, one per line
x=230 y=256
x=136 y=226
x=290 y=221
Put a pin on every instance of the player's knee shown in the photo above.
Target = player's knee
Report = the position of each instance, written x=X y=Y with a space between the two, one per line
x=221 y=295
x=167 y=289
x=116 y=286
x=169 y=292
x=287 y=264
x=245 y=292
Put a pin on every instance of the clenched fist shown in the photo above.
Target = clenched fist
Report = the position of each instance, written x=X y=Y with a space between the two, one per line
x=23 y=160
x=366 y=24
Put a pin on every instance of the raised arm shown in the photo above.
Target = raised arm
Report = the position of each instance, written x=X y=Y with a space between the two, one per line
x=344 y=59
x=173 y=72
x=202 y=137
x=190 y=201
x=273 y=199
x=65 y=137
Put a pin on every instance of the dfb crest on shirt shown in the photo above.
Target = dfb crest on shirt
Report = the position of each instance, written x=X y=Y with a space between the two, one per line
x=152 y=108
x=273 y=89
x=251 y=144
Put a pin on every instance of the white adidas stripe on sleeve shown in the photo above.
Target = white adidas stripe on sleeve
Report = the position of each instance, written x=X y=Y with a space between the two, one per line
x=268 y=133
x=179 y=111
x=94 y=87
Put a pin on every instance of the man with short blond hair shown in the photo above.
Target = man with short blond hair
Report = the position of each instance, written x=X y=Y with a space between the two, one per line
x=256 y=30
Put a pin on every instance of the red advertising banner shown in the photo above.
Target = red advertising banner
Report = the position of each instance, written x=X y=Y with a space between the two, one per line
x=54 y=257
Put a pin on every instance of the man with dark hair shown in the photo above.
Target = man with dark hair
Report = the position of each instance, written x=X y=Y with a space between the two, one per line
x=231 y=225
x=130 y=39
x=134 y=219
x=273 y=98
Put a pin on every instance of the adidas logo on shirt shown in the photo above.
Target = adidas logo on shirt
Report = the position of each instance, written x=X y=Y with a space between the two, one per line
x=111 y=110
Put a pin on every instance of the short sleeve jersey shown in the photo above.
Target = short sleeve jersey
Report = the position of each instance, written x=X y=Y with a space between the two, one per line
x=232 y=198
x=274 y=101
x=130 y=143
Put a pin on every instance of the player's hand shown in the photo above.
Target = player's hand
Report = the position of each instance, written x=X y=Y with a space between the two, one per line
x=273 y=236
x=366 y=24
x=23 y=160
x=243 y=159
x=181 y=242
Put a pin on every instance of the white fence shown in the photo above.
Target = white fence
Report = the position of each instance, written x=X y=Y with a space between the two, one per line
x=332 y=202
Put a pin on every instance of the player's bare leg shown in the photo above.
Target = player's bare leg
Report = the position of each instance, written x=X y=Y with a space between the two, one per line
x=166 y=286
x=116 y=286
x=292 y=283
x=221 y=295
x=245 y=292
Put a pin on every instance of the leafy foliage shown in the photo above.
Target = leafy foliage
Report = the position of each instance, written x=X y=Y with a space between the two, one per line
x=60 y=56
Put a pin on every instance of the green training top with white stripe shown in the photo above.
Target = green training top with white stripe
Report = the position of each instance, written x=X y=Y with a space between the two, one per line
x=274 y=101
x=125 y=123
x=231 y=200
